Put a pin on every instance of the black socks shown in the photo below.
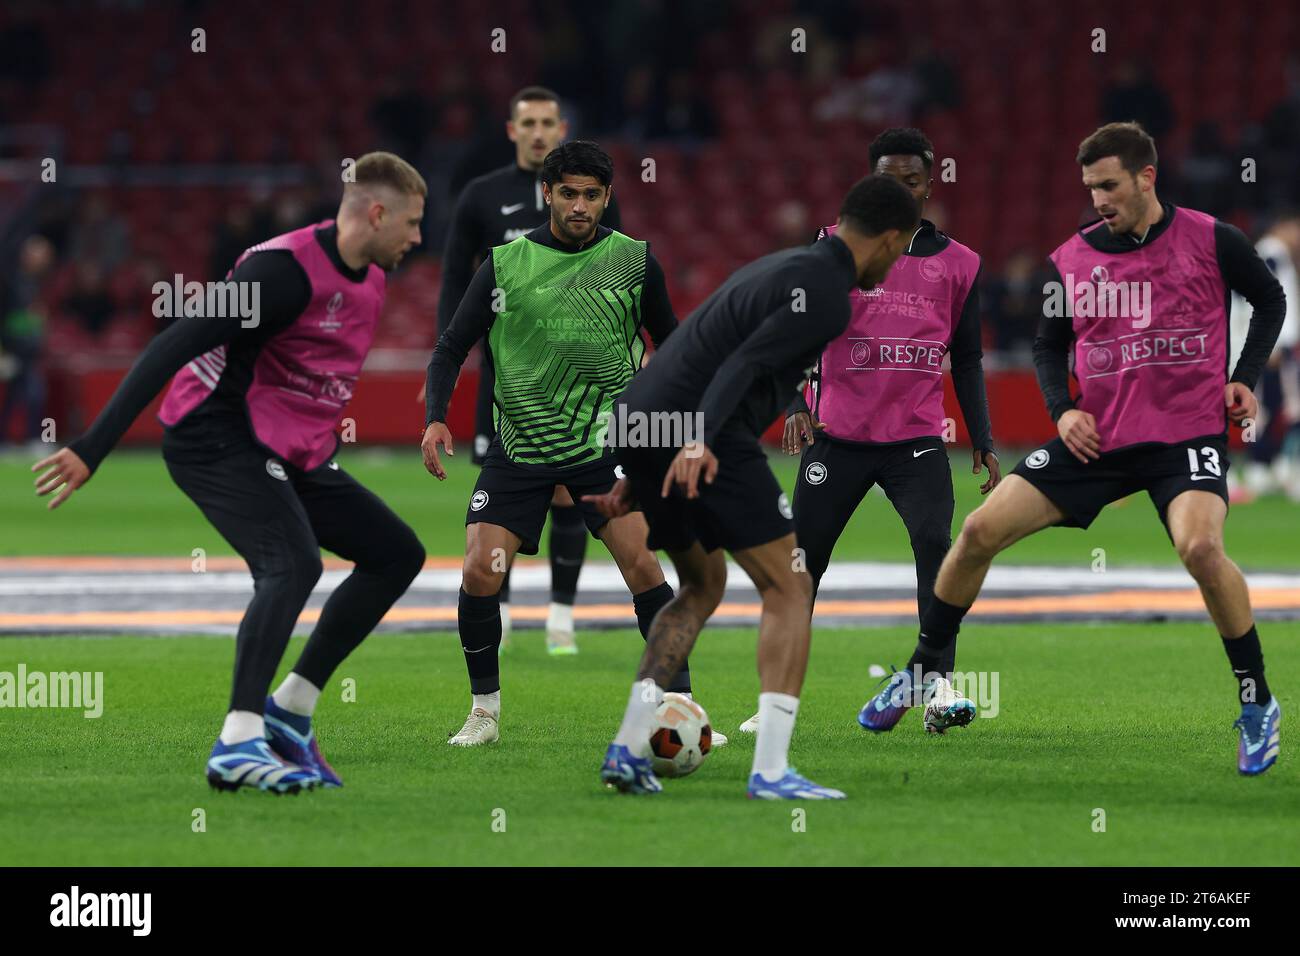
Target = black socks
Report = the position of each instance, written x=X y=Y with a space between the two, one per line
x=1247 y=661
x=568 y=548
x=936 y=647
x=480 y=638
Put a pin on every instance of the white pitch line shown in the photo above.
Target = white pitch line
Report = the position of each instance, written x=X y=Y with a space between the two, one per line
x=856 y=576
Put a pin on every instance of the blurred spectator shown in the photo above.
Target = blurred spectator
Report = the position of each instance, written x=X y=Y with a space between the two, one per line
x=90 y=299
x=24 y=52
x=792 y=225
x=234 y=234
x=886 y=96
x=638 y=103
x=22 y=325
x=682 y=113
x=1277 y=426
x=1013 y=301
x=402 y=117
x=1206 y=172
x=289 y=212
x=940 y=88
x=1133 y=95
x=99 y=235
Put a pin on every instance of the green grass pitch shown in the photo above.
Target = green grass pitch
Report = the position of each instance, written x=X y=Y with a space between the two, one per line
x=131 y=507
x=1132 y=720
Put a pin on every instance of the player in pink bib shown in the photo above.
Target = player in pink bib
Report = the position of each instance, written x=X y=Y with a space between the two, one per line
x=1143 y=297
x=250 y=435
x=872 y=413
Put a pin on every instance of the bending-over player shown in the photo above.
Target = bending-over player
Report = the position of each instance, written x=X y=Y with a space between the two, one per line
x=733 y=366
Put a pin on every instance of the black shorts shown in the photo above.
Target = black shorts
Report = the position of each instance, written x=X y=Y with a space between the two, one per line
x=518 y=497
x=277 y=516
x=834 y=477
x=1162 y=471
x=743 y=508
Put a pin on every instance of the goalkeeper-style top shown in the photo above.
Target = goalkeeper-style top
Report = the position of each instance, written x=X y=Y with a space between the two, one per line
x=563 y=327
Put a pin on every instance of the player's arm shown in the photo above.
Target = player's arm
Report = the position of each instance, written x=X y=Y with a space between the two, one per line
x=799 y=424
x=473 y=319
x=1077 y=428
x=781 y=335
x=464 y=240
x=967 y=353
x=656 y=307
x=1245 y=273
x=283 y=292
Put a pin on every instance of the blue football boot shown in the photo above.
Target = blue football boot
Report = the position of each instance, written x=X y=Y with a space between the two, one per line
x=1260 y=743
x=627 y=772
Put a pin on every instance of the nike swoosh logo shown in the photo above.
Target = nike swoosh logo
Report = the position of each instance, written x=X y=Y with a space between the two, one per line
x=1205 y=477
x=478 y=651
x=918 y=454
x=508 y=210
x=783 y=710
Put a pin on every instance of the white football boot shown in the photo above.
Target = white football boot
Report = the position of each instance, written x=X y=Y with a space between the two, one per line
x=750 y=726
x=560 y=640
x=943 y=708
x=480 y=728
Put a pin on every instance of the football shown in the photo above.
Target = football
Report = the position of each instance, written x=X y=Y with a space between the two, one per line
x=681 y=738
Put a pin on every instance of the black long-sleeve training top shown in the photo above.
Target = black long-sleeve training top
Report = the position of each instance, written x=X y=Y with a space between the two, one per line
x=1243 y=272
x=740 y=356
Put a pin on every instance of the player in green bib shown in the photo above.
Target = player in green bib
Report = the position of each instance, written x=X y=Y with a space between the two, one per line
x=563 y=308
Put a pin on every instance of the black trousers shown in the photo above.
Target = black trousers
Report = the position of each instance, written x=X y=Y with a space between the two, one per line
x=278 y=517
x=916 y=477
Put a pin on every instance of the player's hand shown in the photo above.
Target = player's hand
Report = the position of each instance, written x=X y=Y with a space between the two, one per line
x=67 y=472
x=1078 y=430
x=614 y=503
x=799 y=429
x=979 y=458
x=437 y=433
x=1240 y=402
x=693 y=460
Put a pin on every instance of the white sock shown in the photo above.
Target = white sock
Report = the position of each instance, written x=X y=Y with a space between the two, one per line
x=489 y=702
x=776 y=713
x=560 y=617
x=505 y=621
x=638 y=719
x=297 y=695
x=242 y=725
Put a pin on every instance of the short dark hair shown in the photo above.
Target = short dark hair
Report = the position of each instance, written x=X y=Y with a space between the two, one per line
x=1129 y=142
x=877 y=204
x=533 y=94
x=902 y=141
x=580 y=157
x=388 y=169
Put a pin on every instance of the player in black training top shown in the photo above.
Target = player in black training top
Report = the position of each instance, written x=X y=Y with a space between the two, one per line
x=725 y=374
x=494 y=209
